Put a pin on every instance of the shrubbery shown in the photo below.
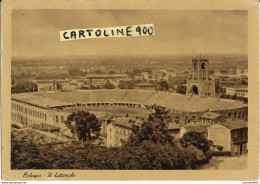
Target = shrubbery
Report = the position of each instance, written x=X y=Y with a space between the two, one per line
x=221 y=153
x=24 y=87
x=151 y=146
x=147 y=155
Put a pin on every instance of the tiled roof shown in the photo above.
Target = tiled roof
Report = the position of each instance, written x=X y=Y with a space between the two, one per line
x=197 y=128
x=210 y=115
x=234 y=124
x=173 y=126
x=172 y=101
x=127 y=122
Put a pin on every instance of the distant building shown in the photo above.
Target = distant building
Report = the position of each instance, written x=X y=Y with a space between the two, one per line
x=145 y=75
x=73 y=85
x=242 y=93
x=235 y=70
x=232 y=135
x=157 y=76
x=138 y=77
x=240 y=90
x=147 y=86
x=212 y=118
x=200 y=84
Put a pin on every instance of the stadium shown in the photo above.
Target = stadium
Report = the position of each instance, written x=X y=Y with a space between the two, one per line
x=53 y=107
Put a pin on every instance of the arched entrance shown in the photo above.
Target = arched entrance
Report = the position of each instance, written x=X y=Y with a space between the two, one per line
x=195 y=89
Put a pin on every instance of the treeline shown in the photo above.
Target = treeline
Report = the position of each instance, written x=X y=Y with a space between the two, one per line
x=24 y=87
x=46 y=155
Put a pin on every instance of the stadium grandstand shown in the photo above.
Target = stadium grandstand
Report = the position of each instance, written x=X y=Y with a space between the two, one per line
x=53 y=107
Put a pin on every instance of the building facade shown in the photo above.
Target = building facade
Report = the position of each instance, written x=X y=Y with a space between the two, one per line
x=200 y=83
x=232 y=135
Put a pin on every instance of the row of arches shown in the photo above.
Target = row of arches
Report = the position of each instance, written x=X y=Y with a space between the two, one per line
x=242 y=114
x=187 y=119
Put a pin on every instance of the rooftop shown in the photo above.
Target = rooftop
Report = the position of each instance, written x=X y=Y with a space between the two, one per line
x=234 y=124
x=197 y=128
x=174 y=101
x=210 y=115
x=173 y=126
x=127 y=121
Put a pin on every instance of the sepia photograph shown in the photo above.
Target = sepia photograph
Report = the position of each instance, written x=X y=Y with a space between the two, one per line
x=174 y=100
x=117 y=91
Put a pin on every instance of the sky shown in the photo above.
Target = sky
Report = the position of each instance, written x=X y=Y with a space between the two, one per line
x=35 y=33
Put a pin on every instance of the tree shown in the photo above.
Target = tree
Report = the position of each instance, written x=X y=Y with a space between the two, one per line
x=195 y=139
x=155 y=129
x=164 y=85
x=126 y=84
x=181 y=89
x=83 y=124
x=109 y=85
x=24 y=87
x=244 y=82
x=220 y=148
x=112 y=72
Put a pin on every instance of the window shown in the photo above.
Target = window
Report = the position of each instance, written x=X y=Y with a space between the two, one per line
x=177 y=120
x=187 y=119
x=193 y=119
x=62 y=119
x=203 y=65
x=195 y=65
x=57 y=119
x=235 y=115
x=229 y=115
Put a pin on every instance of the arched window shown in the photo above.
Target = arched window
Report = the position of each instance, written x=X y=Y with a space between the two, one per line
x=203 y=65
x=239 y=115
x=57 y=119
x=229 y=115
x=62 y=119
x=193 y=119
x=235 y=115
x=177 y=119
x=187 y=119
x=195 y=65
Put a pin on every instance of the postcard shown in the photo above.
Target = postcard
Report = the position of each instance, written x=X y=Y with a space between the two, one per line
x=130 y=90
